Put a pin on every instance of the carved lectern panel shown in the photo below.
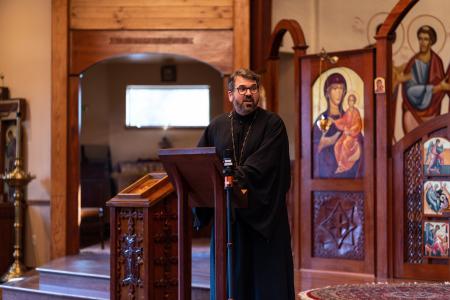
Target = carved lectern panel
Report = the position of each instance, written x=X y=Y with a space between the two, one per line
x=130 y=253
x=144 y=240
x=165 y=240
x=338 y=225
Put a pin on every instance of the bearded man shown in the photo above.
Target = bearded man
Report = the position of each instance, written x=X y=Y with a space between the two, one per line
x=257 y=138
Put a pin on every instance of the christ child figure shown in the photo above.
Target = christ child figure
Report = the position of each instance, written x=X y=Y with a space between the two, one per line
x=347 y=149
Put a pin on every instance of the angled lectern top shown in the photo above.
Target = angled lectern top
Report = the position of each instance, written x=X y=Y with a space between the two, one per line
x=194 y=168
x=197 y=176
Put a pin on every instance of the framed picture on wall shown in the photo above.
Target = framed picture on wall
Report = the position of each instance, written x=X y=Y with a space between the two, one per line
x=436 y=197
x=169 y=73
x=435 y=239
x=8 y=140
x=436 y=153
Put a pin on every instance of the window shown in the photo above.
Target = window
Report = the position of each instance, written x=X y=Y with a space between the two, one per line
x=167 y=106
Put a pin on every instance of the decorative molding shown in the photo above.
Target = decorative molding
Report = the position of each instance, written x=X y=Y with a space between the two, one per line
x=157 y=40
x=214 y=47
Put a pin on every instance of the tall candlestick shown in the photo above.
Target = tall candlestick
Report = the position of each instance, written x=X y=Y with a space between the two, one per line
x=18 y=180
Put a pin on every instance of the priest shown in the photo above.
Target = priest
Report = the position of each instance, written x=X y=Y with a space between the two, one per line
x=262 y=256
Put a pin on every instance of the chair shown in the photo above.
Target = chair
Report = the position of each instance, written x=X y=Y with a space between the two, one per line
x=95 y=189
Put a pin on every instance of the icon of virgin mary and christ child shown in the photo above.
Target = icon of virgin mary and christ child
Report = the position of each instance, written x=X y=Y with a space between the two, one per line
x=337 y=137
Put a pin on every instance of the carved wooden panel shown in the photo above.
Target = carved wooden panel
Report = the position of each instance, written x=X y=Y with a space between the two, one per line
x=146 y=250
x=413 y=202
x=338 y=225
x=130 y=253
x=337 y=216
x=164 y=237
x=408 y=199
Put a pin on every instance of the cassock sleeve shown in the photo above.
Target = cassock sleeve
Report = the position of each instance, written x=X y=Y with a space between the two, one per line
x=266 y=175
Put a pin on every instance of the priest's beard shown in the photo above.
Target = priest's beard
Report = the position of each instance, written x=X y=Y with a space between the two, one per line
x=247 y=105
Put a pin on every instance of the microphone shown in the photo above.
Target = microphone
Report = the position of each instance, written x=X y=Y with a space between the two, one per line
x=228 y=167
x=227 y=162
x=228 y=185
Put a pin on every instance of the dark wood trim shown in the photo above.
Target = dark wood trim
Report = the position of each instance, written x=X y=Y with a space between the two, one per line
x=296 y=33
x=273 y=56
x=385 y=130
x=260 y=29
x=73 y=170
x=38 y=202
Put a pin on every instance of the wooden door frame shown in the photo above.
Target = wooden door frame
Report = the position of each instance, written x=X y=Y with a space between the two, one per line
x=271 y=81
x=384 y=134
x=64 y=114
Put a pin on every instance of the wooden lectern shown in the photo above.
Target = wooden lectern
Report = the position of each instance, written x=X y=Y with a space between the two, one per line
x=197 y=176
x=144 y=240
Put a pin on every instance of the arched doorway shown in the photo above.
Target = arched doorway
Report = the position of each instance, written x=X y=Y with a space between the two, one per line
x=114 y=150
x=88 y=48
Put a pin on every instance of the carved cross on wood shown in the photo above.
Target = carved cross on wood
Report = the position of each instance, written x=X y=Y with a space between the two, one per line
x=133 y=258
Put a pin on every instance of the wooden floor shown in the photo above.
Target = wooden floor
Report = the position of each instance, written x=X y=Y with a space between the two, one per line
x=54 y=277
x=304 y=279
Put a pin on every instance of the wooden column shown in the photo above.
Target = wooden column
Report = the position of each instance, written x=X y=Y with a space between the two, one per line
x=73 y=171
x=59 y=127
x=241 y=33
x=260 y=29
x=384 y=134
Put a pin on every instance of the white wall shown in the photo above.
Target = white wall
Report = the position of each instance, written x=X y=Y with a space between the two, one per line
x=338 y=25
x=331 y=24
x=25 y=57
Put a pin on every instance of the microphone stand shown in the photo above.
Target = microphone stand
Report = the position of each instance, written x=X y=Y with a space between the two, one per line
x=228 y=173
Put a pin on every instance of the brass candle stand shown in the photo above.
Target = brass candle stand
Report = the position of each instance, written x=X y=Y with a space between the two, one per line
x=18 y=180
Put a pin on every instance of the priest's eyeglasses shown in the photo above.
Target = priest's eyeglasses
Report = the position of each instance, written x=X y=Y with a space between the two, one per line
x=242 y=89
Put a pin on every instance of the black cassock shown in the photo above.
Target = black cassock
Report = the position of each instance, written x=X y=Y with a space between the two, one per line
x=263 y=267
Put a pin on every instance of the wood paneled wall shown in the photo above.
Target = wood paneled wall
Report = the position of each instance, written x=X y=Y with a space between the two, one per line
x=151 y=14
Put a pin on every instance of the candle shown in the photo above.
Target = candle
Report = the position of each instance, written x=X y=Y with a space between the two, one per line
x=18 y=135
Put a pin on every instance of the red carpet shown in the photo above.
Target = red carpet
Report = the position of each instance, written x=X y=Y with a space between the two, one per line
x=382 y=291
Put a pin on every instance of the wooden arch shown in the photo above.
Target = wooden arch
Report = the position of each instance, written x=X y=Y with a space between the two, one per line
x=271 y=76
x=89 y=48
x=384 y=125
x=79 y=42
x=271 y=82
